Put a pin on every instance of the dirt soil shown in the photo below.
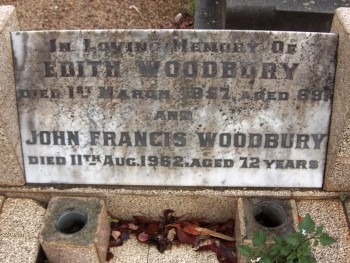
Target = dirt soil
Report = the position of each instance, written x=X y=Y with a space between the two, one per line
x=94 y=14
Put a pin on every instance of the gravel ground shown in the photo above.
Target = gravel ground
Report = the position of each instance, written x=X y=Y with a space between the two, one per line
x=93 y=14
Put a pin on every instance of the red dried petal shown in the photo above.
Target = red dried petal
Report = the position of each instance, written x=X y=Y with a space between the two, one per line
x=227 y=253
x=208 y=247
x=183 y=237
x=300 y=218
x=192 y=230
x=132 y=226
x=115 y=243
x=109 y=256
x=152 y=229
x=143 y=237
x=124 y=236
x=162 y=244
x=116 y=234
x=123 y=227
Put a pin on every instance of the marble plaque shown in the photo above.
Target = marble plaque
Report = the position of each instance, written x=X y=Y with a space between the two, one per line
x=179 y=108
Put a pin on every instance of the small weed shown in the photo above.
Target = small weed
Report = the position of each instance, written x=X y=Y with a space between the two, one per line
x=192 y=7
x=343 y=197
x=294 y=247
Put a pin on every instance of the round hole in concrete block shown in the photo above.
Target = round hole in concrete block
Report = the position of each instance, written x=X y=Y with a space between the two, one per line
x=269 y=214
x=71 y=221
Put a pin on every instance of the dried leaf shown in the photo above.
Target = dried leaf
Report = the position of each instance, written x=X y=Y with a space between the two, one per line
x=166 y=214
x=183 y=21
x=152 y=229
x=124 y=236
x=109 y=256
x=114 y=226
x=116 y=234
x=227 y=252
x=191 y=229
x=115 y=243
x=171 y=234
x=186 y=229
x=143 y=237
x=132 y=226
x=186 y=238
x=123 y=227
x=196 y=230
x=208 y=247
x=206 y=232
x=227 y=228
x=162 y=244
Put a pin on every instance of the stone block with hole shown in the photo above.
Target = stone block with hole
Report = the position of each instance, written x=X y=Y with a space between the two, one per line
x=75 y=229
x=275 y=217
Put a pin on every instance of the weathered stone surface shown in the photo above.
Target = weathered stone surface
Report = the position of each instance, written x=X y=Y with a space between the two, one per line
x=20 y=221
x=126 y=206
x=132 y=251
x=330 y=214
x=65 y=244
x=11 y=164
x=181 y=253
x=147 y=107
x=347 y=207
x=338 y=156
x=2 y=199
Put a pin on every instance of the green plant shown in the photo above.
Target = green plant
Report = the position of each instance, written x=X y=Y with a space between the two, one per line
x=191 y=7
x=294 y=247
x=343 y=197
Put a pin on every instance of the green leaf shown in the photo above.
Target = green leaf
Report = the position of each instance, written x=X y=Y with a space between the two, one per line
x=307 y=224
x=113 y=220
x=304 y=248
x=316 y=242
x=312 y=260
x=319 y=230
x=303 y=260
x=285 y=251
x=245 y=250
x=293 y=239
x=265 y=260
x=259 y=238
x=278 y=240
x=275 y=249
x=326 y=240
x=292 y=256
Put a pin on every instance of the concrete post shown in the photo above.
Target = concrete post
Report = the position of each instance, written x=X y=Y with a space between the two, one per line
x=75 y=229
x=11 y=164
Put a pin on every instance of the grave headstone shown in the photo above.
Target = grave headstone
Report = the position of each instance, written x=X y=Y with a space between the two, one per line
x=181 y=108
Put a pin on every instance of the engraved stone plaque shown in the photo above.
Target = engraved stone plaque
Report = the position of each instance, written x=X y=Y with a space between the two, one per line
x=179 y=108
